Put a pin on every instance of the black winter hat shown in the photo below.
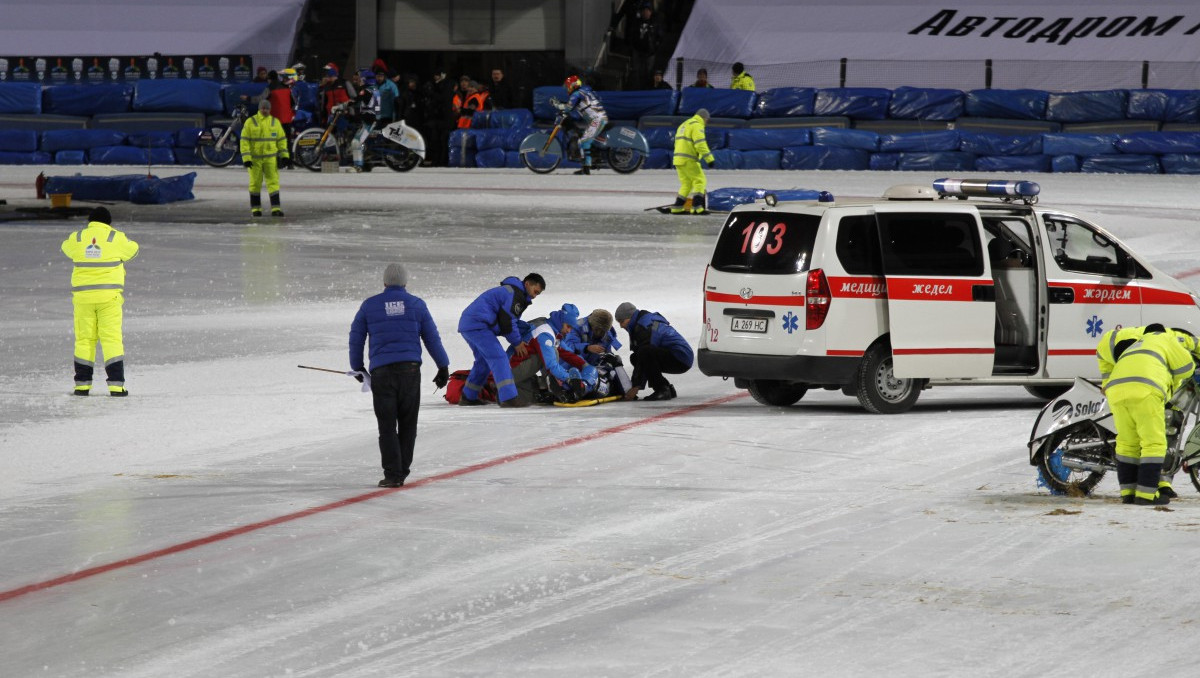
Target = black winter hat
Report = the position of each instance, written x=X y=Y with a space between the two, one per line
x=100 y=214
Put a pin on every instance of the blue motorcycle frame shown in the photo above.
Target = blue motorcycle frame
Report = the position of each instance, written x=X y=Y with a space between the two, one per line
x=621 y=148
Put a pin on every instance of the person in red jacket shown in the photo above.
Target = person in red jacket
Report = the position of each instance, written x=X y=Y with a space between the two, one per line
x=279 y=91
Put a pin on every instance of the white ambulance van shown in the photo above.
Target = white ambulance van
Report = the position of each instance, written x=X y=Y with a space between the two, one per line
x=965 y=282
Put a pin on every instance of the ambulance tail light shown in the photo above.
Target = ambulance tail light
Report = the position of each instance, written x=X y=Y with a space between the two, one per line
x=816 y=299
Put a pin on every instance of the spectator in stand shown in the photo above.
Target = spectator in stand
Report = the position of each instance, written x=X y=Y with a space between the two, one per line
x=283 y=106
x=332 y=90
x=592 y=79
x=702 y=79
x=645 y=37
x=261 y=75
x=741 y=79
x=659 y=83
x=389 y=93
x=469 y=99
x=500 y=93
x=408 y=106
x=437 y=97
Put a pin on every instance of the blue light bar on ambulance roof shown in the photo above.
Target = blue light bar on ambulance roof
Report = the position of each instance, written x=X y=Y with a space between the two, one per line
x=985 y=188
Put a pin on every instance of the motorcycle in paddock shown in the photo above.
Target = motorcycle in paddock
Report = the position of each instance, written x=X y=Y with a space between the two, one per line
x=622 y=148
x=1073 y=439
x=398 y=146
x=219 y=144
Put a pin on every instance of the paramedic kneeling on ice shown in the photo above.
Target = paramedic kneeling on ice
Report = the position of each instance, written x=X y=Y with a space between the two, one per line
x=1139 y=384
x=397 y=323
x=655 y=348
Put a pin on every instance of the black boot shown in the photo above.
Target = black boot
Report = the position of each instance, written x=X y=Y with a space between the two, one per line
x=583 y=170
x=255 y=205
x=699 y=204
x=275 y=211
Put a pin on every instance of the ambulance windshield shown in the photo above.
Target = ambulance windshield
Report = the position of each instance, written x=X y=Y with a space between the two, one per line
x=765 y=242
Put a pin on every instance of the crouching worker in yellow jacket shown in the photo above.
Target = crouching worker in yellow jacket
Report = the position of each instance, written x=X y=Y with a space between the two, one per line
x=97 y=282
x=1144 y=376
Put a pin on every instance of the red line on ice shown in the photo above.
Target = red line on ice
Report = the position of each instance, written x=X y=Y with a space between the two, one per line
x=289 y=517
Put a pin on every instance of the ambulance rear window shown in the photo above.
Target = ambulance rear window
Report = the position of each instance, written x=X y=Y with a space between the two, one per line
x=765 y=242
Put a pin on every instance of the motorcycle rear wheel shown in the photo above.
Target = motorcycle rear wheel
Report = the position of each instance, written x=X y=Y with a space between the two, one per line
x=401 y=161
x=308 y=153
x=1058 y=477
x=625 y=160
x=224 y=155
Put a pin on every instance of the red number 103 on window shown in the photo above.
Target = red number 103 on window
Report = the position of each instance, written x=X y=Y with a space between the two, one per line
x=755 y=237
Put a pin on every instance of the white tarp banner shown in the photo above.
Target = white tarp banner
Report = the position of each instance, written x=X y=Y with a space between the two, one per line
x=265 y=29
x=766 y=32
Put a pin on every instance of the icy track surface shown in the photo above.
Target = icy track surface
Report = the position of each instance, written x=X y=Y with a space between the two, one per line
x=223 y=521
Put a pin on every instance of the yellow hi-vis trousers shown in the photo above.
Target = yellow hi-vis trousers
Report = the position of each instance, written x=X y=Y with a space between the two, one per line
x=692 y=182
x=264 y=169
x=99 y=322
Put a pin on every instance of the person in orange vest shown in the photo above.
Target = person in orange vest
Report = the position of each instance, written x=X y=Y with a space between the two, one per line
x=469 y=99
x=99 y=252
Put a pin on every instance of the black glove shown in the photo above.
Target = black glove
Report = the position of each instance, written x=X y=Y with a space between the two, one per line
x=248 y=164
x=577 y=387
x=711 y=163
x=612 y=360
x=359 y=377
x=285 y=163
x=442 y=377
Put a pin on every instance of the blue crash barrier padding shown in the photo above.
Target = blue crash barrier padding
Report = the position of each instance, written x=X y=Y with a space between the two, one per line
x=151 y=139
x=21 y=97
x=187 y=156
x=18 y=140
x=920 y=142
x=510 y=118
x=1079 y=144
x=1020 y=104
x=542 y=110
x=232 y=95
x=1166 y=105
x=660 y=158
x=1065 y=163
x=512 y=160
x=725 y=199
x=1012 y=163
x=884 y=162
x=487 y=139
x=660 y=137
x=187 y=137
x=949 y=161
x=93 y=188
x=491 y=157
x=926 y=103
x=727 y=158
x=762 y=159
x=461 y=149
x=88 y=100
x=178 y=96
x=31 y=158
x=80 y=139
x=783 y=102
x=862 y=103
x=746 y=139
x=824 y=158
x=721 y=103
x=1158 y=143
x=155 y=191
x=129 y=155
x=70 y=158
x=846 y=138
x=1086 y=106
x=1132 y=164
x=638 y=103
x=1180 y=163
x=986 y=143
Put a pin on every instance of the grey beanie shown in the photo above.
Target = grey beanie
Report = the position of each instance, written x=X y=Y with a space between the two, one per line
x=264 y=104
x=703 y=113
x=625 y=311
x=395 y=276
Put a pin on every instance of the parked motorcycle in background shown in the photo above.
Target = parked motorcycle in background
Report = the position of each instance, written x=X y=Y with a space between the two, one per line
x=622 y=148
x=398 y=146
x=219 y=143
x=1073 y=439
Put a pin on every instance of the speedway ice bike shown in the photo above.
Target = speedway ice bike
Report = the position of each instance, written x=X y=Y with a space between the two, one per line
x=622 y=148
x=1073 y=439
x=218 y=144
x=398 y=146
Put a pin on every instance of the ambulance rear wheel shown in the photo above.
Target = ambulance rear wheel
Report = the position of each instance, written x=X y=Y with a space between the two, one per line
x=776 y=393
x=878 y=389
x=1047 y=392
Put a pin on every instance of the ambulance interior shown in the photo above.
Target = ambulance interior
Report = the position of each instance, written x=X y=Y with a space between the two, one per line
x=1010 y=252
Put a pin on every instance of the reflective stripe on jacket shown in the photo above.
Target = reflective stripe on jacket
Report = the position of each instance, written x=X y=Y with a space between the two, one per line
x=263 y=138
x=1160 y=360
x=99 y=252
x=1108 y=350
x=743 y=81
x=690 y=144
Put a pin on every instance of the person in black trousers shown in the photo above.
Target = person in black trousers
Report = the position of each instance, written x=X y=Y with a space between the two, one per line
x=397 y=323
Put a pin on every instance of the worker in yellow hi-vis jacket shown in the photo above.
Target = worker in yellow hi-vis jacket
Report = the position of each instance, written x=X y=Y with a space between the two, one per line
x=97 y=283
x=264 y=147
x=691 y=148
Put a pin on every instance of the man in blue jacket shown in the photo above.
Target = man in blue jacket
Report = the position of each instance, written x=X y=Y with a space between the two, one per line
x=655 y=348
x=592 y=336
x=494 y=314
x=397 y=323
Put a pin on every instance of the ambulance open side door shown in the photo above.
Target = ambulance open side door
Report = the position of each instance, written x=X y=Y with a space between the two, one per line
x=940 y=294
